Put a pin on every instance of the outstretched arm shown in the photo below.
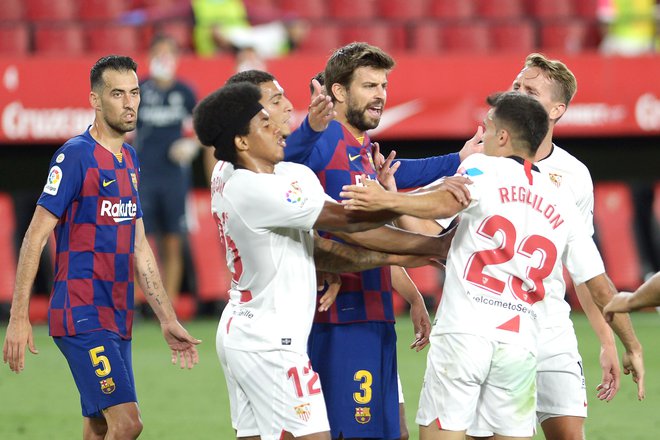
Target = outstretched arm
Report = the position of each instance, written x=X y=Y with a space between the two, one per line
x=646 y=295
x=19 y=330
x=146 y=270
x=402 y=283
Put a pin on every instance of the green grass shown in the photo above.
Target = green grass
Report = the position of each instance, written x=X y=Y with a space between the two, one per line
x=42 y=402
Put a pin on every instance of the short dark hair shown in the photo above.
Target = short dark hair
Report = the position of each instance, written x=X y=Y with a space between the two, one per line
x=523 y=117
x=253 y=76
x=345 y=60
x=224 y=114
x=163 y=38
x=320 y=77
x=114 y=62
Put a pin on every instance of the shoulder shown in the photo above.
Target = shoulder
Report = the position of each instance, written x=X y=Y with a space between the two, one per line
x=77 y=148
x=335 y=131
x=473 y=163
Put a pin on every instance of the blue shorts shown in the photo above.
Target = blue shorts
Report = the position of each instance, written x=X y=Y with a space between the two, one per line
x=164 y=207
x=357 y=367
x=102 y=368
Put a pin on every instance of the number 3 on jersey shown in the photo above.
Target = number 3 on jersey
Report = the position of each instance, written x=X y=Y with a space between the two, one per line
x=528 y=247
x=366 y=380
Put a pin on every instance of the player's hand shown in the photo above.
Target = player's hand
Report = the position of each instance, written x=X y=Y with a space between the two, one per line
x=321 y=109
x=610 y=381
x=181 y=343
x=421 y=325
x=369 y=196
x=331 y=281
x=384 y=168
x=183 y=151
x=457 y=186
x=473 y=145
x=633 y=363
x=620 y=303
x=19 y=334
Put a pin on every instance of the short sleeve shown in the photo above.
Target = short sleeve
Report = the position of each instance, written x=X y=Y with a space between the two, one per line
x=64 y=181
x=581 y=256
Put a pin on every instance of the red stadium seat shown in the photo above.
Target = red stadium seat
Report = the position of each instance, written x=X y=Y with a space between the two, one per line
x=469 y=37
x=114 y=39
x=425 y=38
x=614 y=222
x=181 y=30
x=403 y=9
x=518 y=36
x=62 y=39
x=309 y=9
x=102 y=9
x=386 y=36
x=322 y=39
x=551 y=9
x=14 y=39
x=51 y=10
x=500 y=9
x=452 y=9
x=569 y=36
x=12 y=10
x=7 y=248
x=352 y=10
x=208 y=253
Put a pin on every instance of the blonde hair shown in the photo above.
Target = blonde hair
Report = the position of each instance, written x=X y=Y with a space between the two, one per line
x=556 y=71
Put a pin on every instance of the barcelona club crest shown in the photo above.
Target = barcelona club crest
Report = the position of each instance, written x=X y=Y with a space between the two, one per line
x=107 y=385
x=134 y=180
x=303 y=411
x=363 y=415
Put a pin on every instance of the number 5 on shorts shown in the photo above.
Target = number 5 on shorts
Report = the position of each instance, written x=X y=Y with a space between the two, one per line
x=97 y=358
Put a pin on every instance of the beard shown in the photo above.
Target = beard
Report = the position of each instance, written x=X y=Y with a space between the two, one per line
x=358 y=118
x=121 y=127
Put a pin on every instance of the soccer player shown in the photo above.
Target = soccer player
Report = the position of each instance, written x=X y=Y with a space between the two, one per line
x=266 y=210
x=500 y=270
x=91 y=201
x=646 y=295
x=360 y=379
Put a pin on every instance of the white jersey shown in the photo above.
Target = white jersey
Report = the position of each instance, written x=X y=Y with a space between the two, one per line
x=266 y=223
x=505 y=259
x=571 y=175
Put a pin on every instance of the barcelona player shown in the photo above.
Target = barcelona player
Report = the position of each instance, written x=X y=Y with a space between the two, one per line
x=91 y=202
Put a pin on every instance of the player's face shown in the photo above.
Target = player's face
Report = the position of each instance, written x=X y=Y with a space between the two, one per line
x=119 y=100
x=277 y=105
x=490 y=138
x=366 y=97
x=532 y=82
x=265 y=141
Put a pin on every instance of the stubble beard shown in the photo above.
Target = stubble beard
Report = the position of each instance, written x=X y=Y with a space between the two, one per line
x=358 y=118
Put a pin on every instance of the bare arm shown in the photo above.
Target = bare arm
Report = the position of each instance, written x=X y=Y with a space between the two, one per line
x=331 y=256
x=334 y=217
x=180 y=342
x=609 y=359
x=402 y=283
x=19 y=330
x=602 y=290
x=646 y=295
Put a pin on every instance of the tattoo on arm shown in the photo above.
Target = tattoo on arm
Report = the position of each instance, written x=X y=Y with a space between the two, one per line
x=331 y=256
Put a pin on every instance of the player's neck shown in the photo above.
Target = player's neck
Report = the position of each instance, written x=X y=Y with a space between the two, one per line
x=356 y=132
x=107 y=137
x=546 y=146
x=255 y=165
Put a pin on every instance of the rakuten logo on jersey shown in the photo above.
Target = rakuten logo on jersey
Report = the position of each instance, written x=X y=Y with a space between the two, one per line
x=120 y=212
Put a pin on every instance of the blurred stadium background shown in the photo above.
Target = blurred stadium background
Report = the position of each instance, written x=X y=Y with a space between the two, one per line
x=450 y=55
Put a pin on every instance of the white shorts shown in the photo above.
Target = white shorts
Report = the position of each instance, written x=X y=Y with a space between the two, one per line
x=400 y=388
x=560 y=379
x=461 y=368
x=242 y=417
x=282 y=389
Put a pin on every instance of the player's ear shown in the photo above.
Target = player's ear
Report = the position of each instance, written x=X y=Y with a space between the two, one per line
x=557 y=111
x=94 y=100
x=339 y=92
x=241 y=143
x=502 y=137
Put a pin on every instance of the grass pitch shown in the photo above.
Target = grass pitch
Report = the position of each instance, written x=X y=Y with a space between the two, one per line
x=42 y=402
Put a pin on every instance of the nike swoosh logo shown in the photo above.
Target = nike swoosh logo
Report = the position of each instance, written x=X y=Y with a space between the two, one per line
x=353 y=157
x=398 y=113
x=108 y=182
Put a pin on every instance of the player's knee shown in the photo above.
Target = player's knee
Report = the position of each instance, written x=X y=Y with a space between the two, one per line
x=404 y=435
x=128 y=428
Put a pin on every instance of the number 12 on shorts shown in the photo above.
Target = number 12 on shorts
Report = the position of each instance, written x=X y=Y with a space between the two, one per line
x=306 y=375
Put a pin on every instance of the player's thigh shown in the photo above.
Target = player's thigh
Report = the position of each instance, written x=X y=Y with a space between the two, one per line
x=508 y=399
x=283 y=391
x=563 y=428
x=123 y=419
x=456 y=368
x=101 y=365
x=359 y=378
x=560 y=381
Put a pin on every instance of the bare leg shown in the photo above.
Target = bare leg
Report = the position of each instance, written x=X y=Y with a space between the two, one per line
x=94 y=428
x=172 y=264
x=504 y=437
x=469 y=437
x=433 y=432
x=123 y=421
x=316 y=436
x=563 y=428
x=402 y=421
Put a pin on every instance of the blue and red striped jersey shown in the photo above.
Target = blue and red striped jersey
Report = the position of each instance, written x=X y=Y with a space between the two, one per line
x=95 y=196
x=338 y=159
